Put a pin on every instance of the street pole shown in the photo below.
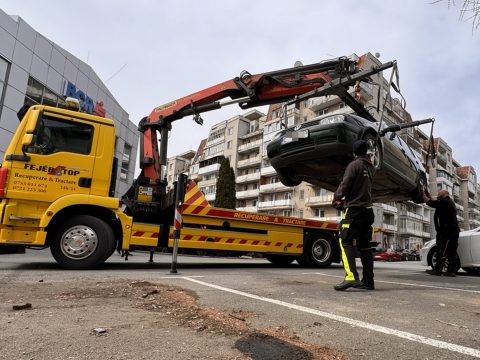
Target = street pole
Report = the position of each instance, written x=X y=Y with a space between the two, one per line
x=177 y=221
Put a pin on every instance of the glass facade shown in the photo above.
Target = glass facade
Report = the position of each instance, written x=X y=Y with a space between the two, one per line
x=40 y=94
x=4 y=65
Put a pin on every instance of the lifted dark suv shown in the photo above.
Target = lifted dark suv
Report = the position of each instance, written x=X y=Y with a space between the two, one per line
x=318 y=151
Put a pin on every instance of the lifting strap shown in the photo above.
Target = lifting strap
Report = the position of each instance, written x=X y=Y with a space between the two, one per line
x=431 y=149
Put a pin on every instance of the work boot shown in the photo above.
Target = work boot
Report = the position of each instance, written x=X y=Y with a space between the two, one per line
x=365 y=286
x=433 y=272
x=345 y=284
x=449 y=274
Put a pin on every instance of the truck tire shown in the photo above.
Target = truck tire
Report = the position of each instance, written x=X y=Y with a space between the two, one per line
x=280 y=260
x=318 y=250
x=82 y=242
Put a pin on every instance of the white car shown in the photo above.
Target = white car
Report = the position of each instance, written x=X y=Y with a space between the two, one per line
x=468 y=252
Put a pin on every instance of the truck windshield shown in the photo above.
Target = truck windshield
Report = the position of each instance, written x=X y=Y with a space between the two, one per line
x=56 y=135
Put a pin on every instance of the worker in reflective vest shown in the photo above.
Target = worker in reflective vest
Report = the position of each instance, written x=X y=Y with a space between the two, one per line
x=354 y=196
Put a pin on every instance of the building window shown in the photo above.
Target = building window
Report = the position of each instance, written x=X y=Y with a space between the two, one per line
x=319 y=212
x=273 y=180
x=287 y=213
x=230 y=131
x=321 y=112
x=302 y=194
x=4 y=66
x=300 y=213
x=229 y=144
x=127 y=152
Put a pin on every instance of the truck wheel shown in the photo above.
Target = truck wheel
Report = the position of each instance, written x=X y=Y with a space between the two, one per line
x=319 y=250
x=82 y=242
x=280 y=260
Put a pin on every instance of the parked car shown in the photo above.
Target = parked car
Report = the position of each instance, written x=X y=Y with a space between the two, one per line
x=410 y=255
x=388 y=255
x=319 y=150
x=468 y=252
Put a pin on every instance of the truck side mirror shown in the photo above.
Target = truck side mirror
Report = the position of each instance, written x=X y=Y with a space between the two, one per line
x=27 y=139
x=32 y=122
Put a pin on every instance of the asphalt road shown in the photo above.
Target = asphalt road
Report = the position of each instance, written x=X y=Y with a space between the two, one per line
x=410 y=315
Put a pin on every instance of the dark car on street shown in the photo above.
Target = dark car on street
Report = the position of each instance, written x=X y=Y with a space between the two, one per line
x=319 y=150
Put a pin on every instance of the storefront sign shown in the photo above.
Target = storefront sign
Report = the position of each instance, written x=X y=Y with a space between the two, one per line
x=86 y=103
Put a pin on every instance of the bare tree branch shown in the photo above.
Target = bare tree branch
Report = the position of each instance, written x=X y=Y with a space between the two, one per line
x=470 y=11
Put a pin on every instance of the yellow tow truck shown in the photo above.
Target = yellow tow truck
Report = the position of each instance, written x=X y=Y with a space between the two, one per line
x=57 y=181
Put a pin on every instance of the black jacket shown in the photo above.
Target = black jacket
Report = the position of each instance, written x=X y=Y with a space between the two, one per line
x=445 y=217
x=356 y=185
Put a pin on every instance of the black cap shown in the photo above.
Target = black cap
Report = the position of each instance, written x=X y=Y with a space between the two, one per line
x=360 y=147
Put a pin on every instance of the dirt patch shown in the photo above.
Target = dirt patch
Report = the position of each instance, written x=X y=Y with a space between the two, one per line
x=178 y=306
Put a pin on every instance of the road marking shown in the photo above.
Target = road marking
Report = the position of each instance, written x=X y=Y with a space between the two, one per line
x=401 y=283
x=177 y=276
x=381 y=329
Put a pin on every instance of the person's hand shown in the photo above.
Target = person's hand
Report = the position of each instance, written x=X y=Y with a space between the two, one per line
x=337 y=204
x=426 y=198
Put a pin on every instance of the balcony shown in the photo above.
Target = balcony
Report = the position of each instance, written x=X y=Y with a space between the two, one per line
x=247 y=194
x=254 y=145
x=267 y=171
x=412 y=215
x=275 y=204
x=319 y=200
x=215 y=141
x=210 y=197
x=207 y=182
x=459 y=207
x=275 y=187
x=209 y=169
x=323 y=102
x=251 y=134
x=248 y=178
x=389 y=208
x=248 y=209
x=474 y=223
x=327 y=218
x=389 y=228
x=249 y=162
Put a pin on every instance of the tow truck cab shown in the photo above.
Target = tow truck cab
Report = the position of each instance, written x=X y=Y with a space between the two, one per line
x=57 y=161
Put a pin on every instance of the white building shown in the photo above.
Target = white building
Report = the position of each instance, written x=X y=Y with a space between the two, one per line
x=35 y=69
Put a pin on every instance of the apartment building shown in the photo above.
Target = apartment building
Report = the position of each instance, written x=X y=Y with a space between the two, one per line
x=468 y=196
x=234 y=139
x=179 y=164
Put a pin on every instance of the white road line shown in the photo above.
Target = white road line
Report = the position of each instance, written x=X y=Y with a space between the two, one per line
x=177 y=276
x=381 y=329
x=401 y=283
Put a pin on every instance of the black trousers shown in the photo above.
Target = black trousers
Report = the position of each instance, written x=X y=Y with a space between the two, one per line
x=355 y=236
x=447 y=244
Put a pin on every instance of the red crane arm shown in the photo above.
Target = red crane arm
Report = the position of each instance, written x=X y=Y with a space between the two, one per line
x=297 y=83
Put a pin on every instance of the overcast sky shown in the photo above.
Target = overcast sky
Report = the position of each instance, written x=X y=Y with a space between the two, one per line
x=152 y=52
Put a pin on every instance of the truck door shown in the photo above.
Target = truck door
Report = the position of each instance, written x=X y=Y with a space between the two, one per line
x=58 y=161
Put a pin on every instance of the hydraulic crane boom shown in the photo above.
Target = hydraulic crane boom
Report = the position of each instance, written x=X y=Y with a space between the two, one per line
x=287 y=85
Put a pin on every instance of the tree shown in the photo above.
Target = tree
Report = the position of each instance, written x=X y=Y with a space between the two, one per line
x=226 y=193
x=470 y=11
